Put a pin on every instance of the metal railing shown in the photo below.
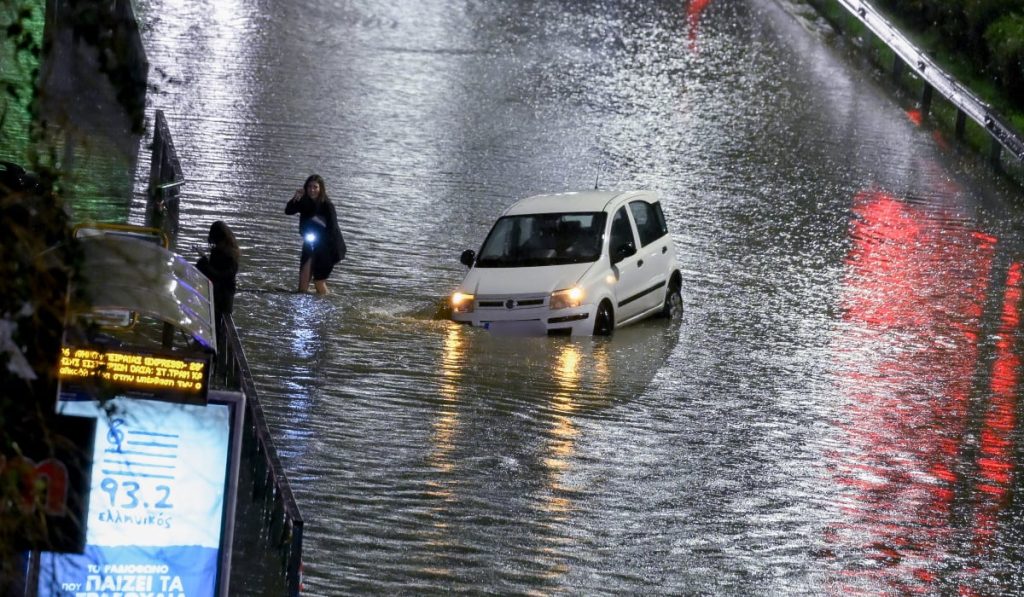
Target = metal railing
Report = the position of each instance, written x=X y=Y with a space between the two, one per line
x=277 y=540
x=267 y=546
x=165 y=180
x=966 y=103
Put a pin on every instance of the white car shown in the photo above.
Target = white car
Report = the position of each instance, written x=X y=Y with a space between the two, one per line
x=572 y=263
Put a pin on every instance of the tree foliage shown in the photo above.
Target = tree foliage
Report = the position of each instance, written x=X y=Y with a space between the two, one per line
x=38 y=257
x=987 y=34
x=1005 y=39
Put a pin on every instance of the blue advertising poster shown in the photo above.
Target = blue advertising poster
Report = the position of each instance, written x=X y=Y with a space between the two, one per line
x=157 y=502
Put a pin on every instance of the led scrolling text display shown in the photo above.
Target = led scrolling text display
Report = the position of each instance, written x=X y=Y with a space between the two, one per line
x=143 y=372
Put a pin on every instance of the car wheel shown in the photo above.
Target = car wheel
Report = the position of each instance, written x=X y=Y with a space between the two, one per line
x=673 y=308
x=604 y=321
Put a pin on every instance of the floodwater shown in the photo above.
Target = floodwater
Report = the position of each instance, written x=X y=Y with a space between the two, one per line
x=836 y=413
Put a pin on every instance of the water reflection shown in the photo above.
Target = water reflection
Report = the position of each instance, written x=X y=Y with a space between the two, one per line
x=566 y=374
x=915 y=299
x=447 y=419
x=208 y=94
x=996 y=449
x=439 y=538
x=306 y=360
x=432 y=456
x=693 y=13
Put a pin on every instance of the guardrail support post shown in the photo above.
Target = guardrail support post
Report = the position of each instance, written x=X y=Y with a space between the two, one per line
x=961 y=121
x=995 y=152
x=926 y=100
x=295 y=560
x=897 y=68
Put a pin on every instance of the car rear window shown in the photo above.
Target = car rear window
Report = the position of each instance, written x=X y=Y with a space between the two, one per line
x=650 y=221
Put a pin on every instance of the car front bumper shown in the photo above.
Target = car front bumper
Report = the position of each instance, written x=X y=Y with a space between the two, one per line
x=575 y=321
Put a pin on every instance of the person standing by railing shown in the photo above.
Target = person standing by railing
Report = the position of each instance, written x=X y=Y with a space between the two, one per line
x=221 y=267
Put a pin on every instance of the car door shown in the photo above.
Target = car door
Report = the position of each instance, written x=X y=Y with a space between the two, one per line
x=654 y=249
x=627 y=264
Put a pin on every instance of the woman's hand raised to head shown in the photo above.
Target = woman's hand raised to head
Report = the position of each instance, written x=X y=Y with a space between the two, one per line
x=297 y=195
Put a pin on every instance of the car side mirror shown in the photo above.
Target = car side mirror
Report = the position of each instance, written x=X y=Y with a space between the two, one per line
x=623 y=251
x=467 y=257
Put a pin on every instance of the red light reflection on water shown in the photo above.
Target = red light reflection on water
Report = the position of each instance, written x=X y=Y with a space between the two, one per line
x=917 y=117
x=913 y=299
x=693 y=12
x=995 y=461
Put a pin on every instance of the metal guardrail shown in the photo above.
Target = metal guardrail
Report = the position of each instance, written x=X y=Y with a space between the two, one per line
x=165 y=180
x=935 y=78
x=270 y=491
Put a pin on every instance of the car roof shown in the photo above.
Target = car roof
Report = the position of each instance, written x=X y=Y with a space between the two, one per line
x=577 y=201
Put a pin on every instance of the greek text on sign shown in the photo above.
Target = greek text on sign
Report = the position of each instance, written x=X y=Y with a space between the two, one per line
x=130 y=370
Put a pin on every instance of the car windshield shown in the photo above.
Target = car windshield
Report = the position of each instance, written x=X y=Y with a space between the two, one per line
x=543 y=239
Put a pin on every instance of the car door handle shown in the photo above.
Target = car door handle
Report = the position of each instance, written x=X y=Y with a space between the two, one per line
x=664 y=249
x=640 y=263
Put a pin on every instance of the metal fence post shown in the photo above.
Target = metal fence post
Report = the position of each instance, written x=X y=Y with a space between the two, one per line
x=926 y=99
x=897 y=68
x=995 y=153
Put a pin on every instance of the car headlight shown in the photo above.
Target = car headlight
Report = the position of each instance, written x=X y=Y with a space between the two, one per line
x=462 y=302
x=564 y=299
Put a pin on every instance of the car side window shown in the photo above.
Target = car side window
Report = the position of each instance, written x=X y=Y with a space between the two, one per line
x=650 y=221
x=621 y=235
x=661 y=218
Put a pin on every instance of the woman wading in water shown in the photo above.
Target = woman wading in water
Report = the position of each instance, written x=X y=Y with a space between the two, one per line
x=322 y=243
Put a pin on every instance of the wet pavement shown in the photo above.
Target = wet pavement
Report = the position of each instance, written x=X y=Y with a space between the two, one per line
x=836 y=413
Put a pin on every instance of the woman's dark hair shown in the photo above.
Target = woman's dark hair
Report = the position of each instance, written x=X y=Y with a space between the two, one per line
x=222 y=237
x=323 y=186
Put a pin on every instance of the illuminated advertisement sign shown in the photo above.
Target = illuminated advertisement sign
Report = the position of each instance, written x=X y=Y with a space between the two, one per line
x=161 y=505
x=170 y=377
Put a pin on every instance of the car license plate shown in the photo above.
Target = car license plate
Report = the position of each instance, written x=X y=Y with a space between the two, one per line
x=532 y=327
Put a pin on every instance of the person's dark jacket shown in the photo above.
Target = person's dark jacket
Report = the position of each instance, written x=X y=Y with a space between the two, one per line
x=308 y=208
x=221 y=267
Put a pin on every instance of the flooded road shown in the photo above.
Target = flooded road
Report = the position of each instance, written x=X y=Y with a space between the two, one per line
x=836 y=413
